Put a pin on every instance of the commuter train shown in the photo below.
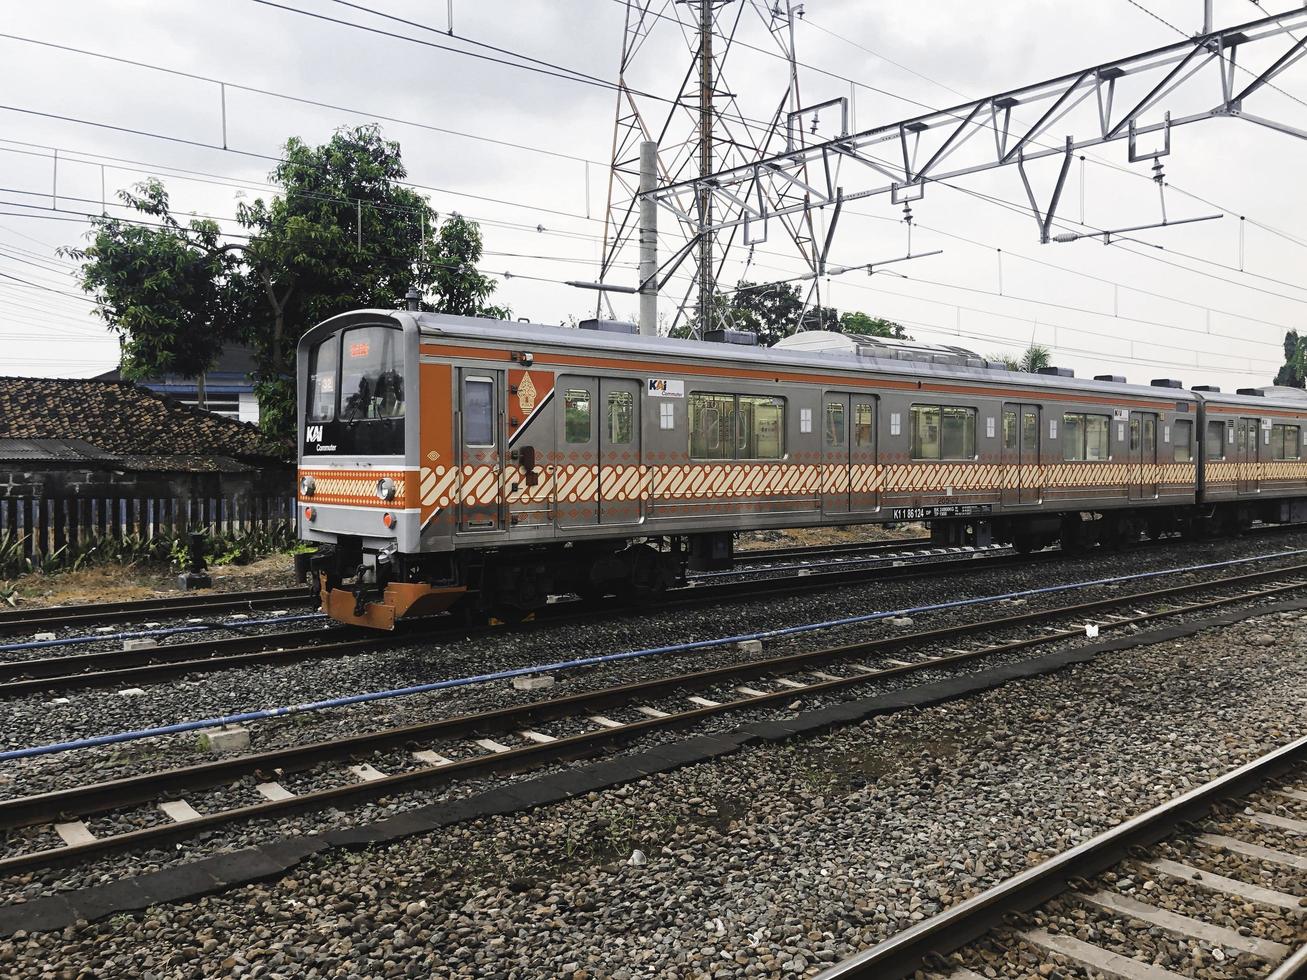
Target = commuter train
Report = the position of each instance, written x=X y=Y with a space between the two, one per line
x=449 y=461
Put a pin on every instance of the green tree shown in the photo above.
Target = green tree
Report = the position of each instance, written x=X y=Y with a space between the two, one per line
x=771 y=310
x=1294 y=372
x=1036 y=356
x=165 y=290
x=343 y=234
x=871 y=326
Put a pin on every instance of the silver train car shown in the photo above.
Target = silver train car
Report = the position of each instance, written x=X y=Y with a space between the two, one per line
x=451 y=461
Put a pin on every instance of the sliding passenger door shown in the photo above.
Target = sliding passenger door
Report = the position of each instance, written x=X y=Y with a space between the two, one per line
x=576 y=474
x=1248 y=443
x=1023 y=481
x=1143 y=455
x=480 y=450
x=864 y=476
x=835 y=456
x=621 y=487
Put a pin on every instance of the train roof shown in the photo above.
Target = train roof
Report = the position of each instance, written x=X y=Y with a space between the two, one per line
x=880 y=357
x=861 y=359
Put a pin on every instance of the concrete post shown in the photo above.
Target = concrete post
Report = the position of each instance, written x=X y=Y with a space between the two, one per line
x=648 y=240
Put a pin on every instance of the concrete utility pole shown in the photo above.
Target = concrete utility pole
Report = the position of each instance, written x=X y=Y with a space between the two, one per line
x=648 y=239
x=706 y=283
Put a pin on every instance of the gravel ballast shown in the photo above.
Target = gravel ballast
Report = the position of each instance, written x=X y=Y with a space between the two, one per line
x=772 y=862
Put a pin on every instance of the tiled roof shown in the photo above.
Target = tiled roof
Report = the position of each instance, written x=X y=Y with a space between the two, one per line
x=120 y=418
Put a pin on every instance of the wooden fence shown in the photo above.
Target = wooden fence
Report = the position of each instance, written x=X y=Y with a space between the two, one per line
x=44 y=525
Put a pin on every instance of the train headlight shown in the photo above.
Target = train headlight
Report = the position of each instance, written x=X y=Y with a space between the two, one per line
x=307 y=486
x=386 y=488
x=310 y=514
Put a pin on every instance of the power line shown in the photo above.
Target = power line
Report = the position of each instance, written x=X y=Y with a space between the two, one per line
x=236 y=86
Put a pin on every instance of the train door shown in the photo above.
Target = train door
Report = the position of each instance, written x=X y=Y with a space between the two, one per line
x=1024 y=483
x=480 y=450
x=621 y=485
x=1143 y=455
x=835 y=458
x=864 y=481
x=1247 y=445
x=576 y=472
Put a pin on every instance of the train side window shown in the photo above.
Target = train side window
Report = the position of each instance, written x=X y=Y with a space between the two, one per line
x=478 y=412
x=711 y=419
x=1085 y=437
x=576 y=415
x=322 y=380
x=864 y=432
x=1182 y=440
x=621 y=414
x=761 y=422
x=1009 y=430
x=834 y=424
x=1134 y=435
x=943 y=432
x=1215 y=440
x=1284 y=441
x=1073 y=437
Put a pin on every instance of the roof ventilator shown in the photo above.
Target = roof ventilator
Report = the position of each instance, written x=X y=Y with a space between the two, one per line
x=1166 y=383
x=745 y=338
x=1118 y=379
x=1210 y=389
x=609 y=326
x=1057 y=372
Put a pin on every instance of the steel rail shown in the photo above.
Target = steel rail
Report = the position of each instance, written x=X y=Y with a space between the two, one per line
x=88 y=670
x=117 y=794
x=19 y=620
x=925 y=945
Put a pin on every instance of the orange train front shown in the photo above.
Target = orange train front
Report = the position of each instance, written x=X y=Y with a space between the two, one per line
x=451 y=461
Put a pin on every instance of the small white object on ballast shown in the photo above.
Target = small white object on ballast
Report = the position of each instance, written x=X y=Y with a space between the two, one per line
x=131 y=692
x=637 y=858
x=140 y=643
x=533 y=682
x=750 y=646
x=43 y=637
x=1091 y=630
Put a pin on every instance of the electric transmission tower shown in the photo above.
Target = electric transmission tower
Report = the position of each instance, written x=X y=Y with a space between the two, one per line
x=699 y=129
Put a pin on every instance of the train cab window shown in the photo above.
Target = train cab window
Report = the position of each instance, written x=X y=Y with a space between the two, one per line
x=371 y=374
x=1085 y=438
x=478 y=412
x=621 y=416
x=864 y=430
x=1182 y=440
x=834 y=424
x=1215 y=445
x=943 y=432
x=1285 y=440
x=322 y=380
x=576 y=415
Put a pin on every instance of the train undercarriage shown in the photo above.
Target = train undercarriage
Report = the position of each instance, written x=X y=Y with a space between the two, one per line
x=509 y=584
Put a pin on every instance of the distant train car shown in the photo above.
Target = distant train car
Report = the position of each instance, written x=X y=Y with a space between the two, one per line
x=456 y=461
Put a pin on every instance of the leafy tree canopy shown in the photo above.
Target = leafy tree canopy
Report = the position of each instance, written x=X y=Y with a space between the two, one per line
x=1036 y=356
x=1294 y=372
x=344 y=233
x=775 y=310
x=873 y=326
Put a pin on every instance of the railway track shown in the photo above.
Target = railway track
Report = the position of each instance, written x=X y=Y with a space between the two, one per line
x=153 y=664
x=442 y=752
x=97 y=613
x=1019 y=926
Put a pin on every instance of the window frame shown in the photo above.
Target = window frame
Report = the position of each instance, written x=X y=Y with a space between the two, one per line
x=970 y=413
x=342 y=335
x=625 y=400
x=1082 y=422
x=1186 y=426
x=732 y=436
x=333 y=408
x=1208 y=455
x=589 y=417
x=462 y=395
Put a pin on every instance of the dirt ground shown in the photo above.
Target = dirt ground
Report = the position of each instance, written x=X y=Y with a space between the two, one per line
x=116 y=583
x=801 y=537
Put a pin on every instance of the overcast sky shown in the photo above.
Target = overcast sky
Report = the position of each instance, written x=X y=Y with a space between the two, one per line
x=520 y=164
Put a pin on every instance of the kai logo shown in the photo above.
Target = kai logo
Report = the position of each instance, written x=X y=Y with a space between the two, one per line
x=526 y=394
x=313 y=433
